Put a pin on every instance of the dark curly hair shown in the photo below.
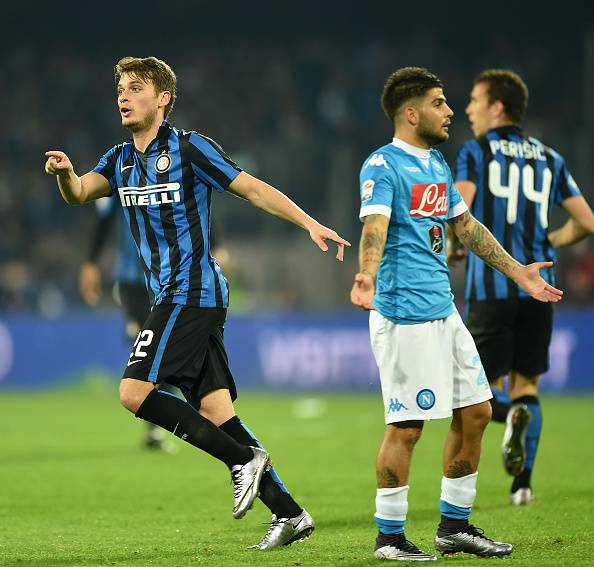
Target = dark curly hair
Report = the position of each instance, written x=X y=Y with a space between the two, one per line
x=404 y=84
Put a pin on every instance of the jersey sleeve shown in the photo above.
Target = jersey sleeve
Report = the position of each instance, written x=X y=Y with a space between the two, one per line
x=566 y=186
x=456 y=205
x=376 y=187
x=210 y=163
x=467 y=161
x=107 y=166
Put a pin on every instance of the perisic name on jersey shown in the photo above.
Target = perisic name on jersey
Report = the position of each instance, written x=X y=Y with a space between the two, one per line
x=522 y=149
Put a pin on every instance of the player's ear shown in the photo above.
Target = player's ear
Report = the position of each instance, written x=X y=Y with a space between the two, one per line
x=164 y=99
x=412 y=115
x=498 y=109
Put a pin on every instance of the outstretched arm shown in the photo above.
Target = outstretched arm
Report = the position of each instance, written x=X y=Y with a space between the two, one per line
x=371 y=250
x=272 y=201
x=75 y=190
x=477 y=238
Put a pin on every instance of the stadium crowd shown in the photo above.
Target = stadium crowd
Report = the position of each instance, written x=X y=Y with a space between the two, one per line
x=302 y=115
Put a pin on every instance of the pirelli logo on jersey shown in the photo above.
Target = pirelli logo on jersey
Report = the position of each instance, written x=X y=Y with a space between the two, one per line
x=150 y=195
x=428 y=200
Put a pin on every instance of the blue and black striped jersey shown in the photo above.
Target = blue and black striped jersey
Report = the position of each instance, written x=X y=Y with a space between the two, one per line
x=518 y=180
x=165 y=194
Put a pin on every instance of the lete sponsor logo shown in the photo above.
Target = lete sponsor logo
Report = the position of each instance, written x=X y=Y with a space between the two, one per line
x=428 y=200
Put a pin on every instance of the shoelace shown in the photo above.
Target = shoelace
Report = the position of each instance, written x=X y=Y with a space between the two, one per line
x=273 y=524
x=477 y=532
x=410 y=547
x=237 y=484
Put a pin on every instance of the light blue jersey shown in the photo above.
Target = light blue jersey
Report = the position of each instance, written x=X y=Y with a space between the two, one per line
x=413 y=187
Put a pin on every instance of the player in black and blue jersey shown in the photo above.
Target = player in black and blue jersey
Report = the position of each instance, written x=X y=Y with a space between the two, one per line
x=129 y=290
x=511 y=181
x=164 y=178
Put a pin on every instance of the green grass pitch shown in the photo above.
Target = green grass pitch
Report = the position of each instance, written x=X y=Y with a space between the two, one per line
x=77 y=489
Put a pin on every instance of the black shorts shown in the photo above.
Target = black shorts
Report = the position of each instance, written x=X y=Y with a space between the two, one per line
x=511 y=334
x=183 y=346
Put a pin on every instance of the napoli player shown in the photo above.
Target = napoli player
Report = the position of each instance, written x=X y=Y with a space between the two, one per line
x=512 y=181
x=164 y=179
x=429 y=366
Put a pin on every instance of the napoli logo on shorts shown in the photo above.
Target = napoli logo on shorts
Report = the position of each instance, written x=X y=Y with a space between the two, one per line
x=163 y=163
x=426 y=399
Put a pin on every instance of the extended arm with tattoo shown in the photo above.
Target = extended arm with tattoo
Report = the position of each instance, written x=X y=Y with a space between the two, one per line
x=477 y=238
x=371 y=246
x=371 y=249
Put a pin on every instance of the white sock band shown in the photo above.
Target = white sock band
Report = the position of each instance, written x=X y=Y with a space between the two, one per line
x=392 y=503
x=459 y=491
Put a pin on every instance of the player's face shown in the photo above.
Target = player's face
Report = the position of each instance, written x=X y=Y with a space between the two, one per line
x=434 y=118
x=480 y=110
x=138 y=103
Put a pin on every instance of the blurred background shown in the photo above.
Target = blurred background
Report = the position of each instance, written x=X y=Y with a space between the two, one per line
x=291 y=92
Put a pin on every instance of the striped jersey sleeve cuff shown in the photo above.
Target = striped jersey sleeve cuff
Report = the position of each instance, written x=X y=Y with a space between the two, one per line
x=375 y=210
x=457 y=210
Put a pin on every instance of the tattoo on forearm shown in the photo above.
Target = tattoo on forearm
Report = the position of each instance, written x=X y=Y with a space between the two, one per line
x=371 y=248
x=387 y=478
x=479 y=240
x=458 y=469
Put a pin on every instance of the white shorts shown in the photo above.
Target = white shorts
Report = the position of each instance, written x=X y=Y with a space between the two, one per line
x=428 y=369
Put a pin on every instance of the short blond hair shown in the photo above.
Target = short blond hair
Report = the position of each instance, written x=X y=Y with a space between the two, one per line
x=153 y=70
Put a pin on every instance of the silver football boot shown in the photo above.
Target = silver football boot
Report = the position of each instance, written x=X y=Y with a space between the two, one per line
x=513 y=448
x=395 y=547
x=284 y=531
x=471 y=540
x=246 y=482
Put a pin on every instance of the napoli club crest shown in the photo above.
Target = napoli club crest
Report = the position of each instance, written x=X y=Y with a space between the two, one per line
x=426 y=399
x=163 y=163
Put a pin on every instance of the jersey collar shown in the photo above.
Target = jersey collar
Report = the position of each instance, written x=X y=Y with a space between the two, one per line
x=508 y=129
x=161 y=139
x=420 y=153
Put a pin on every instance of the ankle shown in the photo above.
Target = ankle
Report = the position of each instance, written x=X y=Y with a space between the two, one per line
x=449 y=525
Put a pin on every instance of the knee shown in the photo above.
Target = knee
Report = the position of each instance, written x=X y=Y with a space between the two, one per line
x=408 y=433
x=483 y=415
x=133 y=393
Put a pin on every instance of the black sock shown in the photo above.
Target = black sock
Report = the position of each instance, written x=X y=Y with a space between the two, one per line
x=522 y=480
x=450 y=526
x=272 y=492
x=389 y=539
x=181 y=419
x=526 y=400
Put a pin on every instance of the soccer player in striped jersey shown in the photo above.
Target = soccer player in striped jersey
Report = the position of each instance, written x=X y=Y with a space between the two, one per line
x=164 y=179
x=428 y=363
x=511 y=181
